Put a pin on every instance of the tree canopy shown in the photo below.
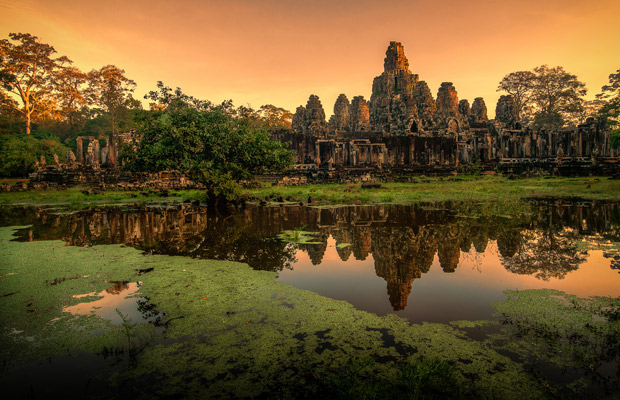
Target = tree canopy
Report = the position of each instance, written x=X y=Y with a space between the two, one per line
x=610 y=110
x=215 y=145
x=548 y=96
x=27 y=71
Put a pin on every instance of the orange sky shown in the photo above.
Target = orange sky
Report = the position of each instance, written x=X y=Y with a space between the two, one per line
x=281 y=51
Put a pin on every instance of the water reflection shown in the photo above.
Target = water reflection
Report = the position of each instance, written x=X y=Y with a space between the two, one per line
x=403 y=241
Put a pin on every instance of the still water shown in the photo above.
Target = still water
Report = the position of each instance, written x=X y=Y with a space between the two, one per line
x=434 y=263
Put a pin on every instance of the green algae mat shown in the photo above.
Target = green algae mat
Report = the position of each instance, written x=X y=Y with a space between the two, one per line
x=219 y=329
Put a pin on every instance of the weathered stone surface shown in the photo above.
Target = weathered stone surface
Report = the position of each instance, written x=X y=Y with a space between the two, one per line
x=448 y=115
x=425 y=104
x=505 y=111
x=411 y=132
x=70 y=157
x=314 y=118
x=298 y=119
x=392 y=107
x=478 y=111
x=340 y=119
x=447 y=101
x=464 y=109
x=359 y=115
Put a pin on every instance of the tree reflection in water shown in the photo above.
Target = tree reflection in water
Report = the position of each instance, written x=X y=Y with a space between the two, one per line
x=403 y=240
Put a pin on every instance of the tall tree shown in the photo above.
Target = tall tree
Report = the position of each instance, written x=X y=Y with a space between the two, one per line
x=111 y=91
x=557 y=95
x=27 y=70
x=520 y=85
x=610 y=110
x=72 y=92
x=551 y=96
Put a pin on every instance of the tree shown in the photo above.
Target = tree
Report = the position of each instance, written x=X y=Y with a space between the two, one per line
x=551 y=96
x=71 y=92
x=520 y=85
x=112 y=92
x=164 y=97
x=557 y=95
x=27 y=72
x=275 y=117
x=610 y=110
x=545 y=254
x=213 y=146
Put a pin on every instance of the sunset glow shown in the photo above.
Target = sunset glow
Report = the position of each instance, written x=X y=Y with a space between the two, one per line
x=280 y=52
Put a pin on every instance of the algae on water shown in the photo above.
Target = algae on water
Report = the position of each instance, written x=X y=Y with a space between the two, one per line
x=235 y=332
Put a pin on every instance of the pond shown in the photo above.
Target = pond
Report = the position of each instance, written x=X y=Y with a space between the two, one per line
x=435 y=263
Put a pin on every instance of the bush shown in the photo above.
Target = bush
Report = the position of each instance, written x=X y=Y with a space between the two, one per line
x=20 y=152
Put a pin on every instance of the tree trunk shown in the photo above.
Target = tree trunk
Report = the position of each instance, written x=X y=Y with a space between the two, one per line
x=27 y=124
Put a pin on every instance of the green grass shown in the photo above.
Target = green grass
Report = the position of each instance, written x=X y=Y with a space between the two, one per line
x=73 y=197
x=461 y=188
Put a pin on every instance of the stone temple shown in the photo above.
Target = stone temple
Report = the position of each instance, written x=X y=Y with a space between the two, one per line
x=404 y=127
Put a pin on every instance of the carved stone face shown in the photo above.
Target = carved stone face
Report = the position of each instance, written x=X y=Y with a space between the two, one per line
x=453 y=126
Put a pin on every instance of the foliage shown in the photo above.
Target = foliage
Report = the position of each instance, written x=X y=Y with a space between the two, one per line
x=610 y=96
x=275 y=117
x=71 y=93
x=27 y=71
x=556 y=95
x=519 y=84
x=50 y=94
x=111 y=90
x=20 y=152
x=211 y=144
x=164 y=97
x=550 y=96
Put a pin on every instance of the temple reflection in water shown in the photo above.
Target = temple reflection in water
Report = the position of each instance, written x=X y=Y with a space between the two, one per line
x=402 y=240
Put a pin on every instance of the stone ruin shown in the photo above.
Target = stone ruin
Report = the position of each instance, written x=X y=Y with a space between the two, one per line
x=403 y=127
x=97 y=167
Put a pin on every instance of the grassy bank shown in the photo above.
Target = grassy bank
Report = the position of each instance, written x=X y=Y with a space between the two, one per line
x=461 y=188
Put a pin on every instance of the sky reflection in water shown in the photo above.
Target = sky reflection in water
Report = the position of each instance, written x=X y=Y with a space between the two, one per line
x=423 y=263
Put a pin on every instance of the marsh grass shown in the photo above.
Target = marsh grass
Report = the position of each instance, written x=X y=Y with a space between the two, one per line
x=461 y=188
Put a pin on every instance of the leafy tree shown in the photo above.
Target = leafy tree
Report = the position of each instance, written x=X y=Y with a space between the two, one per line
x=27 y=71
x=275 y=117
x=557 y=95
x=112 y=92
x=520 y=85
x=213 y=146
x=610 y=96
x=72 y=93
x=164 y=97
x=552 y=96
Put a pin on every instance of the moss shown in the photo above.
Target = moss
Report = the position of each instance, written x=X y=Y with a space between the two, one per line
x=39 y=281
x=299 y=236
x=231 y=330
x=578 y=336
